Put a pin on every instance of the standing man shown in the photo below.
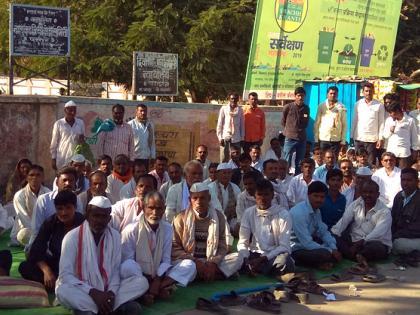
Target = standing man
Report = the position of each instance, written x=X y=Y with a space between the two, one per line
x=254 y=119
x=402 y=134
x=368 y=123
x=66 y=134
x=415 y=114
x=230 y=126
x=294 y=122
x=144 y=136
x=331 y=122
x=118 y=141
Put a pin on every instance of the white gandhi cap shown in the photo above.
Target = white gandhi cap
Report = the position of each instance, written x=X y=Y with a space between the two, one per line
x=199 y=187
x=70 y=104
x=78 y=158
x=101 y=202
x=364 y=171
x=224 y=166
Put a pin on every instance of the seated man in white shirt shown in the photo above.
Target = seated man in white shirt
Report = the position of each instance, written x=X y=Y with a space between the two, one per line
x=127 y=211
x=298 y=188
x=270 y=226
x=212 y=173
x=24 y=202
x=368 y=222
x=271 y=172
x=175 y=177
x=44 y=206
x=159 y=172
x=275 y=150
x=256 y=159
x=284 y=178
x=146 y=249
x=246 y=199
x=121 y=175
x=89 y=278
x=97 y=187
x=225 y=193
x=179 y=194
x=354 y=191
x=129 y=190
x=388 y=178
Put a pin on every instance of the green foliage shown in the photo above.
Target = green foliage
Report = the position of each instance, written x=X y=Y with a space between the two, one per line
x=212 y=38
x=406 y=55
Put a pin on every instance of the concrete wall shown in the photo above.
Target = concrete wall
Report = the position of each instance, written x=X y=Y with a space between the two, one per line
x=26 y=125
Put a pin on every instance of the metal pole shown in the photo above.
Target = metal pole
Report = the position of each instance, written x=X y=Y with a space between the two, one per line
x=68 y=75
x=133 y=83
x=11 y=79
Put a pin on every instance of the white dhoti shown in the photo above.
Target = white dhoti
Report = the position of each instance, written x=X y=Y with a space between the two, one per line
x=185 y=270
x=73 y=297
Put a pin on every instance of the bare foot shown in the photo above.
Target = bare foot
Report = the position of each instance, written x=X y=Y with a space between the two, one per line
x=362 y=261
x=147 y=299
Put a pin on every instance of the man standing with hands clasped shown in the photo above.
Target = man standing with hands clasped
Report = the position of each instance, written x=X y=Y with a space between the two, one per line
x=254 y=119
x=67 y=133
x=294 y=122
x=368 y=123
x=230 y=126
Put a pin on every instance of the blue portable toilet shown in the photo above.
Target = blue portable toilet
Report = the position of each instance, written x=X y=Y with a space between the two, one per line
x=316 y=93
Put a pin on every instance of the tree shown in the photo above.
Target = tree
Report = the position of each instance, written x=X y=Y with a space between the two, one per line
x=406 y=57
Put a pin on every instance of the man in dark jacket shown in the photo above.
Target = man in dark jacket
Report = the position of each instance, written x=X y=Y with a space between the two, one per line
x=294 y=123
x=406 y=214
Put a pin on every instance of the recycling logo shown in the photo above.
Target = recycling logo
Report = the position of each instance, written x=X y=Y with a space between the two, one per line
x=383 y=53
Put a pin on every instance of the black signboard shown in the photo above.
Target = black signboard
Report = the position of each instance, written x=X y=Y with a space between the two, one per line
x=156 y=73
x=39 y=31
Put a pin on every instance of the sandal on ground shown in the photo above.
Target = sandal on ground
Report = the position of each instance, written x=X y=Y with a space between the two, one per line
x=231 y=299
x=312 y=287
x=263 y=302
x=209 y=306
x=361 y=270
x=341 y=277
x=374 y=278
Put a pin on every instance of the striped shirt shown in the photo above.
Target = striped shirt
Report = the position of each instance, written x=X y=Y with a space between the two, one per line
x=118 y=141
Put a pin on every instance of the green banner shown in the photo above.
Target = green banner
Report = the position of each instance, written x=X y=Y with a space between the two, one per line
x=296 y=40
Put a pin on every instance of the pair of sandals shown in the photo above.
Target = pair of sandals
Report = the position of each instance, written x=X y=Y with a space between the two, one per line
x=263 y=301
x=369 y=274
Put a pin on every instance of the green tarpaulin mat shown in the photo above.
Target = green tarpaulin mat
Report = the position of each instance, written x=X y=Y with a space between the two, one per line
x=183 y=299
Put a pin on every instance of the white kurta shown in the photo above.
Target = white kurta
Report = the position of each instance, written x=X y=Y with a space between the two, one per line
x=114 y=187
x=130 y=235
x=128 y=190
x=404 y=138
x=142 y=132
x=73 y=292
x=389 y=185
x=64 y=140
x=125 y=212
x=264 y=240
x=298 y=189
x=23 y=219
x=375 y=225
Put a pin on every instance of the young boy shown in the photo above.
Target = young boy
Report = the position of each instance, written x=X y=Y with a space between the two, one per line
x=335 y=203
x=362 y=158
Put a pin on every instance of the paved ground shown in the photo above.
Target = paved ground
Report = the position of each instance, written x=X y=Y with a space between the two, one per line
x=389 y=297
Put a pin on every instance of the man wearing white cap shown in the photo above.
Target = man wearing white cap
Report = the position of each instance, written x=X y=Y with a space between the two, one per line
x=67 y=133
x=353 y=192
x=199 y=244
x=224 y=193
x=89 y=277
x=146 y=248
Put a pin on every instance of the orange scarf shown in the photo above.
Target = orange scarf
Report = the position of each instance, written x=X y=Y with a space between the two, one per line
x=126 y=178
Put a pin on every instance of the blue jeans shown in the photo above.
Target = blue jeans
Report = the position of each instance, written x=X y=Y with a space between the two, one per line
x=290 y=146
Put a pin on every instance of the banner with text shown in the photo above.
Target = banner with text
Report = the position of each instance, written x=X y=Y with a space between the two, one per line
x=296 y=40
